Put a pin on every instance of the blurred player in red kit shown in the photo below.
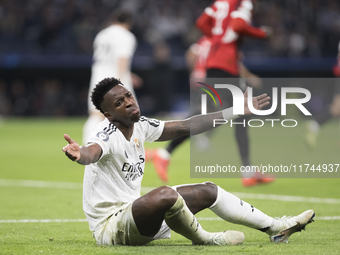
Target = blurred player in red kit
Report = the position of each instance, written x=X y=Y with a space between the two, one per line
x=196 y=57
x=225 y=22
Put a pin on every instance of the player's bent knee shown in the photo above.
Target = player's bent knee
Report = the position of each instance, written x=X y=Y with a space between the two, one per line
x=212 y=186
x=210 y=183
x=210 y=191
x=167 y=197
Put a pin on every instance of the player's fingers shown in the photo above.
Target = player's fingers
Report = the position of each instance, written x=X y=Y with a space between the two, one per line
x=70 y=155
x=68 y=138
x=263 y=105
x=266 y=99
x=261 y=96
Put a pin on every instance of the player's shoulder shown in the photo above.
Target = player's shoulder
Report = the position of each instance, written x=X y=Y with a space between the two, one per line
x=103 y=32
x=102 y=35
x=118 y=33
x=119 y=30
x=112 y=29
x=231 y=1
x=221 y=3
x=105 y=128
x=103 y=133
x=145 y=121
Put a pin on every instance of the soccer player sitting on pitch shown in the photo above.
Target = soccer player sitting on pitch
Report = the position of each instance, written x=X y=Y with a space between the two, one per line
x=114 y=159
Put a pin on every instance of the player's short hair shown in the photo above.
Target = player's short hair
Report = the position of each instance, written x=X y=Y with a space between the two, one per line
x=104 y=86
x=122 y=16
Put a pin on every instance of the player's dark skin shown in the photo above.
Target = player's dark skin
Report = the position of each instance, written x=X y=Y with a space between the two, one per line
x=122 y=110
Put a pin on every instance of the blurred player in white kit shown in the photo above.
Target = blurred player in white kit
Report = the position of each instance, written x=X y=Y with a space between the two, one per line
x=113 y=49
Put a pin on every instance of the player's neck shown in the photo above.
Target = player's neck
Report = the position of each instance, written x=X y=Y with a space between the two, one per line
x=127 y=130
x=123 y=25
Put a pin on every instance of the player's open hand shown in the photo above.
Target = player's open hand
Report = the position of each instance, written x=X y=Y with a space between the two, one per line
x=269 y=31
x=258 y=102
x=72 y=150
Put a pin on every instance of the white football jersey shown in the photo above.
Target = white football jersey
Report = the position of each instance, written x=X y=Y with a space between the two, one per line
x=116 y=177
x=111 y=44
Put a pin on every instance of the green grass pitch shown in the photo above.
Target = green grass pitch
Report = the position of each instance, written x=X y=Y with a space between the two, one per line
x=31 y=150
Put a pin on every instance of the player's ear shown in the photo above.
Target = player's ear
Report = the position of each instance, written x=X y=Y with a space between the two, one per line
x=108 y=116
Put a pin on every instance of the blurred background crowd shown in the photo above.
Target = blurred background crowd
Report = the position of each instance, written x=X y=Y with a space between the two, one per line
x=46 y=47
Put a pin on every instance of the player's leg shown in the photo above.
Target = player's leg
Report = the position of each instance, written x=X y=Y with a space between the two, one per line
x=90 y=124
x=234 y=210
x=335 y=106
x=198 y=196
x=249 y=178
x=314 y=126
x=241 y=134
x=224 y=204
x=175 y=143
x=94 y=118
x=148 y=211
x=165 y=203
x=161 y=157
x=323 y=113
x=241 y=128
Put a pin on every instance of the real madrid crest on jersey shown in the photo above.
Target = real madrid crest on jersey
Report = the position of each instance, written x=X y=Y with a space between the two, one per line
x=137 y=143
x=102 y=135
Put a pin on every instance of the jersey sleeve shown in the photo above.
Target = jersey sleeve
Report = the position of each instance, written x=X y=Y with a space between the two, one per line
x=152 y=128
x=206 y=22
x=102 y=136
x=241 y=27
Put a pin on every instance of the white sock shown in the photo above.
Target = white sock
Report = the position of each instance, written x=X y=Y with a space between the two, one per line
x=181 y=220
x=163 y=153
x=251 y=173
x=89 y=126
x=232 y=209
x=314 y=126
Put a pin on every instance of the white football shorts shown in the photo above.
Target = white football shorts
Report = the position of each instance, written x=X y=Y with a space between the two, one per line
x=120 y=229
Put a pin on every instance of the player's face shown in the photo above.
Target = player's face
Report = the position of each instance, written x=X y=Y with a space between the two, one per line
x=120 y=106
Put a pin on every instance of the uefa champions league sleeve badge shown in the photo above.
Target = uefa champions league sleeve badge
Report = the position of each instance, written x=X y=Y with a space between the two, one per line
x=103 y=136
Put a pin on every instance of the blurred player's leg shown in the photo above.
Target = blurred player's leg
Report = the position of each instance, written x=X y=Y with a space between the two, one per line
x=161 y=157
x=313 y=129
x=90 y=125
x=241 y=134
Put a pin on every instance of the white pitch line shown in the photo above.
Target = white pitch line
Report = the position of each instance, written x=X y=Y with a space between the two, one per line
x=287 y=198
x=84 y=220
x=40 y=184
x=316 y=218
x=72 y=185
x=42 y=220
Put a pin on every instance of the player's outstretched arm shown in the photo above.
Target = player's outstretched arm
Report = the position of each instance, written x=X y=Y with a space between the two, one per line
x=202 y=123
x=84 y=155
